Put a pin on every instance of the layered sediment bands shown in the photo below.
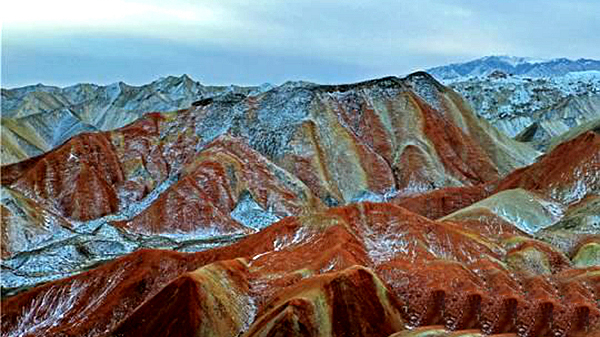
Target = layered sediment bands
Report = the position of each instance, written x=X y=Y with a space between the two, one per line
x=578 y=232
x=341 y=144
x=210 y=301
x=84 y=169
x=370 y=269
x=10 y=173
x=438 y=203
x=94 y=174
x=567 y=174
x=525 y=210
x=353 y=301
x=385 y=125
x=459 y=153
x=228 y=189
x=26 y=225
x=104 y=296
x=536 y=195
x=505 y=153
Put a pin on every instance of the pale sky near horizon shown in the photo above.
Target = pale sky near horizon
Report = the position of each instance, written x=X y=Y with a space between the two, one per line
x=62 y=42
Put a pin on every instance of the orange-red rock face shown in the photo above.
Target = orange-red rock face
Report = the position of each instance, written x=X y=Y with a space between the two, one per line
x=438 y=203
x=211 y=187
x=568 y=174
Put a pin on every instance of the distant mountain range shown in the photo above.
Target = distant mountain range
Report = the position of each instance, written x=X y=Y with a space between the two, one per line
x=530 y=99
x=521 y=66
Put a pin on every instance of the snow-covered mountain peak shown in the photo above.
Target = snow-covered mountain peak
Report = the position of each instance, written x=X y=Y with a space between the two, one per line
x=518 y=66
x=513 y=60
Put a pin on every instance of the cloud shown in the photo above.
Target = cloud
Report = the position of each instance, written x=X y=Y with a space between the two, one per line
x=66 y=14
x=138 y=61
x=373 y=37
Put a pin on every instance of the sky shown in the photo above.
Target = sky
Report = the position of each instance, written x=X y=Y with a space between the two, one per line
x=63 y=42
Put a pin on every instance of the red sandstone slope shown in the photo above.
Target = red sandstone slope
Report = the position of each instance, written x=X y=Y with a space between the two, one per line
x=438 y=203
x=94 y=174
x=371 y=269
x=213 y=184
x=569 y=173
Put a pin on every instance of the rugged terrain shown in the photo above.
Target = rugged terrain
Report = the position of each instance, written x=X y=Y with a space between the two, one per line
x=534 y=101
x=380 y=208
x=534 y=110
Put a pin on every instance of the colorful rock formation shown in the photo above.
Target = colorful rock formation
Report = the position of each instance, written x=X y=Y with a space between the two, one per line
x=382 y=208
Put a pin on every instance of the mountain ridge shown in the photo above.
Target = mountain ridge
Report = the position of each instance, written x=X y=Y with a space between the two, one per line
x=518 y=66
